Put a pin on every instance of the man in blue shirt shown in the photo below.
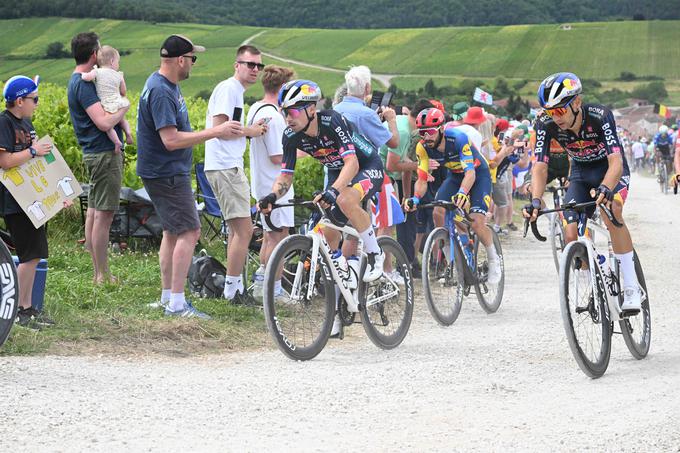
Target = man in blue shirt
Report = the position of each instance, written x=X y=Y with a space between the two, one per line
x=104 y=165
x=164 y=157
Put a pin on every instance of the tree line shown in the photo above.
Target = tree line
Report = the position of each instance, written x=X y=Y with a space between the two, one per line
x=348 y=13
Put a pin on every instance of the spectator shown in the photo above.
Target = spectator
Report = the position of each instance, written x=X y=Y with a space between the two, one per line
x=18 y=146
x=266 y=156
x=164 y=158
x=639 y=153
x=224 y=164
x=104 y=165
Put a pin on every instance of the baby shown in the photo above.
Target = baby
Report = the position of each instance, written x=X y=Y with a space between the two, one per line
x=111 y=90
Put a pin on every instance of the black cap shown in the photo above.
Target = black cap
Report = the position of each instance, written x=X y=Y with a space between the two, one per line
x=178 y=45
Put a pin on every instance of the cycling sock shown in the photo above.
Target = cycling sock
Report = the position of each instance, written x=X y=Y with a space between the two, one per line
x=627 y=269
x=370 y=241
x=491 y=253
x=177 y=302
x=165 y=295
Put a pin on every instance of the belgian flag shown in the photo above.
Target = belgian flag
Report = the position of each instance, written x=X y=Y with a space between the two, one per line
x=662 y=110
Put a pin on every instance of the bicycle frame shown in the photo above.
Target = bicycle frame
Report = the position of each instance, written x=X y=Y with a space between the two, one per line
x=470 y=267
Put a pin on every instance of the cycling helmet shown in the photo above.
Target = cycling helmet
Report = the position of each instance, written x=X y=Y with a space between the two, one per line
x=299 y=92
x=558 y=90
x=432 y=117
x=663 y=129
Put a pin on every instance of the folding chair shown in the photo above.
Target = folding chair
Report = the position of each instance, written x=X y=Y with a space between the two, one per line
x=211 y=209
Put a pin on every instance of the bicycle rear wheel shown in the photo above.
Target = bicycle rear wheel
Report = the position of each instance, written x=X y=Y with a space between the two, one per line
x=637 y=330
x=9 y=295
x=442 y=278
x=299 y=325
x=557 y=241
x=387 y=303
x=663 y=177
x=585 y=314
x=489 y=295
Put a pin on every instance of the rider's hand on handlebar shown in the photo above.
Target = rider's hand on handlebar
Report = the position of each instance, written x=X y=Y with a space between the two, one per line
x=410 y=204
x=462 y=200
x=327 y=198
x=603 y=194
x=265 y=204
x=531 y=210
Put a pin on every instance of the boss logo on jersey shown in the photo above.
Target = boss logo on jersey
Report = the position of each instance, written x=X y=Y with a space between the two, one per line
x=609 y=134
x=540 y=139
x=341 y=134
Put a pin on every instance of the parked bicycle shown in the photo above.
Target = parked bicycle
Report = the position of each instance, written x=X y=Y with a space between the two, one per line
x=591 y=296
x=301 y=320
x=454 y=263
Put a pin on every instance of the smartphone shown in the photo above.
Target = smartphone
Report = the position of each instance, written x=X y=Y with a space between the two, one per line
x=386 y=100
x=399 y=110
x=267 y=120
x=501 y=136
x=376 y=100
x=237 y=114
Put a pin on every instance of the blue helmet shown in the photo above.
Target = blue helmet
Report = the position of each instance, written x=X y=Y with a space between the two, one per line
x=558 y=90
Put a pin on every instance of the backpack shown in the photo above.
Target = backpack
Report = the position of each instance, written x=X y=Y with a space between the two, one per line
x=206 y=276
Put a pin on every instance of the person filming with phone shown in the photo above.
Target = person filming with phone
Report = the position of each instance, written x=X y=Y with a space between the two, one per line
x=224 y=163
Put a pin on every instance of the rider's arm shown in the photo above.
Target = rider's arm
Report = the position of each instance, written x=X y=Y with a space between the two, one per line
x=347 y=173
x=614 y=172
x=539 y=176
x=467 y=161
x=677 y=158
x=281 y=184
x=423 y=171
x=288 y=160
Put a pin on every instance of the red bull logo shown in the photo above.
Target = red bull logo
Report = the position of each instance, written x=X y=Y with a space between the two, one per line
x=363 y=187
x=322 y=152
x=307 y=90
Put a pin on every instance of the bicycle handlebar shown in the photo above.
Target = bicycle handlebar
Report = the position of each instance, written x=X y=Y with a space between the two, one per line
x=292 y=202
x=449 y=206
x=578 y=207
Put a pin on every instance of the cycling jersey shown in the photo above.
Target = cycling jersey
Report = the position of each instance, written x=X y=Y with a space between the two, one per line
x=459 y=154
x=597 y=138
x=334 y=141
x=663 y=143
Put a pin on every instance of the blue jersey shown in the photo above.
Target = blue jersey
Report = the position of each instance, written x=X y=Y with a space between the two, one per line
x=459 y=154
x=663 y=142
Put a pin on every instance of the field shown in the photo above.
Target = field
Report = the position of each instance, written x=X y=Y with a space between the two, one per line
x=593 y=50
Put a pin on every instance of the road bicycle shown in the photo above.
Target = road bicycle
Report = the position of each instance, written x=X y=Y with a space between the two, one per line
x=556 y=219
x=454 y=264
x=662 y=171
x=591 y=296
x=301 y=320
x=9 y=296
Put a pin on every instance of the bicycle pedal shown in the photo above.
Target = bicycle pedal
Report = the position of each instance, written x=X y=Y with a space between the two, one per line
x=629 y=313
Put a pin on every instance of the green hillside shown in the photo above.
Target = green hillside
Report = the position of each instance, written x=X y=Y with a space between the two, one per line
x=593 y=50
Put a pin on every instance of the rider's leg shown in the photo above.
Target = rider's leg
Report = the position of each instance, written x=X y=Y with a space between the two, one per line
x=438 y=216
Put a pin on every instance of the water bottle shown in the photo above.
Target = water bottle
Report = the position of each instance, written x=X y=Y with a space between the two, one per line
x=467 y=249
x=258 y=283
x=340 y=263
x=353 y=271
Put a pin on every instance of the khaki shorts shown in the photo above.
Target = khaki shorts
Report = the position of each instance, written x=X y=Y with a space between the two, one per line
x=232 y=191
x=106 y=175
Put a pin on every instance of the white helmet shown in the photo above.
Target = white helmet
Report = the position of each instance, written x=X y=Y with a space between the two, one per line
x=299 y=92
x=558 y=90
x=663 y=129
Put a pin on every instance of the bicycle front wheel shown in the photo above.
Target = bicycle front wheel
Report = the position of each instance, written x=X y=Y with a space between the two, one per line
x=299 y=324
x=9 y=298
x=585 y=313
x=637 y=330
x=387 y=303
x=489 y=294
x=442 y=278
x=557 y=241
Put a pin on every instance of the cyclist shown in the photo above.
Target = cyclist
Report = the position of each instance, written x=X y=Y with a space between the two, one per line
x=663 y=143
x=588 y=133
x=355 y=171
x=467 y=183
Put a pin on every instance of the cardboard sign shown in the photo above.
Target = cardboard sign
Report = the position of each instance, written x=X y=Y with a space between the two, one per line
x=42 y=184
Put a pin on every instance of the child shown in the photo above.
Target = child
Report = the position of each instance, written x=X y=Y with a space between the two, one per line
x=111 y=90
x=17 y=146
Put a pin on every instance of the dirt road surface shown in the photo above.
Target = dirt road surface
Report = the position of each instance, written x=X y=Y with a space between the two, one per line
x=501 y=382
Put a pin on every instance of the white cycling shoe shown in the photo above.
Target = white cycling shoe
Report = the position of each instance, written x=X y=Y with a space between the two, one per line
x=632 y=299
x=374 y=266
x=494 y=272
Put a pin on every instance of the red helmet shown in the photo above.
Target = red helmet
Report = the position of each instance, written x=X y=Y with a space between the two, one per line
x=430 y=118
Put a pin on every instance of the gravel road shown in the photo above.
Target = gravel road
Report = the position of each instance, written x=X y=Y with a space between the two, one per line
x=497 y=382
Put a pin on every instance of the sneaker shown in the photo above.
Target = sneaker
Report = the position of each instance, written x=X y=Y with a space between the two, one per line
x=632 y=299
x=396 y=278
x=374 y=266
x=336 y=331
x=499 y=231
x=188 y=312
x=511 y=226
x=31 y=318
x=494 y=272
x=158 y=304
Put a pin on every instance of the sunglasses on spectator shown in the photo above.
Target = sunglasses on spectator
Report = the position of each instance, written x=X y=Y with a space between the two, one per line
x=428 y=131
x=252 y=64
x=34 y=98
x=193 y=58
x=558 y=111
x=293 y=112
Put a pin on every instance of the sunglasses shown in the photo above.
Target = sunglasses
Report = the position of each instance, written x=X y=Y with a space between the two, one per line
x=252 y=65
x=34 y=98
x=193 y=58
x=293 y=112
x=559 y=111
x=428 y=131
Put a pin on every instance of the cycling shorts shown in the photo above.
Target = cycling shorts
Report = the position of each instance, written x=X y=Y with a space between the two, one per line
x=368 y=181
x=583 y=178
x=480 y=194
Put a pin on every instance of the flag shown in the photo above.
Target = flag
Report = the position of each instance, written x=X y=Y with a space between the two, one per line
x=662 y=110
x=482 y=96
x=388 y=210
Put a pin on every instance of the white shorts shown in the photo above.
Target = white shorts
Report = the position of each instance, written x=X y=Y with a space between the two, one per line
x=280 y=217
